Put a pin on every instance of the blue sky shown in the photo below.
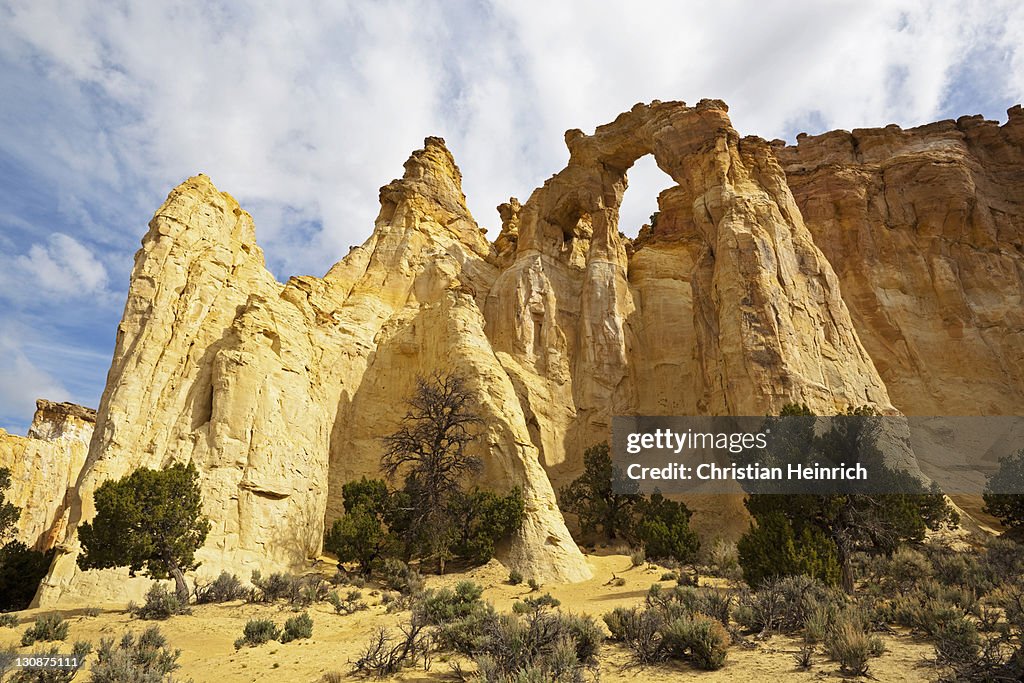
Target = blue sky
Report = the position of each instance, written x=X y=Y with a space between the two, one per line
x=303 y=110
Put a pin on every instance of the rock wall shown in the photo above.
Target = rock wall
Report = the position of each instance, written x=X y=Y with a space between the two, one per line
x=836 y=273
x=44 y=468
x=925 y=228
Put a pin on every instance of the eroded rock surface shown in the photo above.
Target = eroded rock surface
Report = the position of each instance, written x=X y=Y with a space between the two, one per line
x=44 y=467
x=925 y=228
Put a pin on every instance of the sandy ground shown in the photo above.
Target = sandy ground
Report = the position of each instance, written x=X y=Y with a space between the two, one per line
x=206 y=637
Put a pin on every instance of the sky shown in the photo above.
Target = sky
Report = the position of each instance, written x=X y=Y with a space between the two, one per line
x=302 y=110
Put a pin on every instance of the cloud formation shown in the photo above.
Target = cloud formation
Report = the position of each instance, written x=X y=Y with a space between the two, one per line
x=303 y=110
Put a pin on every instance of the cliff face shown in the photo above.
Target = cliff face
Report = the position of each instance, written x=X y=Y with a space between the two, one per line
x=925 y=228
x=835 y=273
x=44 y=469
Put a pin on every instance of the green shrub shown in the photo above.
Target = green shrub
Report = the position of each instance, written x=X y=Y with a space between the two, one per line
x=771 y=549
x=637 y=557
x=543 y=645
x=143 y=660
x=534 y=605
x=468 y=634
x=443 y=605
x=160 y=604
x=258 y=631
x=906 y=568
x=8 y=620
x=225 y=588
x=1005 y=559
x=47 y=628
x=818 y=619
x=782 y=604
x=482 y=519
x=515 y=578
x=350 y=604
x=957 y=640
x=639 y=630
x=21 y=570
x=534 y=585
x=664 y=530
x=297 y=627
x=698 y=638
x=277 y=586
x=362 y=534
x=45 y=673
x=398 y=576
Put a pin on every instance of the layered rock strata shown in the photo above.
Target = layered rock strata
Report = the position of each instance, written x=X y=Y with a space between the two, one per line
x=44 y=468
x=925 y=228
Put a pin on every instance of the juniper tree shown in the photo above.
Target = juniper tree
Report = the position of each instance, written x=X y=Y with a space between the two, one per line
x=854 y=520
x=999 y=501
x=150 y=519
x=430 y=451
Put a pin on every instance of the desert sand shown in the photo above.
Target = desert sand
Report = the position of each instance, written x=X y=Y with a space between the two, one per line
x=206 y=636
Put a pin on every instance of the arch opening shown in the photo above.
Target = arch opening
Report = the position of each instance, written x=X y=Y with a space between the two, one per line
x=640 y=201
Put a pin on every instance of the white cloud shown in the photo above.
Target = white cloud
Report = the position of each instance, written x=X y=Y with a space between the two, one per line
x=305 y=109
x=63 y=267
x=23 y=383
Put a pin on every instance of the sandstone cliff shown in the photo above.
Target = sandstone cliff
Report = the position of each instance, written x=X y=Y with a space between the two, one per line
x=44 y=469
x=838 y=272
x=925 y=228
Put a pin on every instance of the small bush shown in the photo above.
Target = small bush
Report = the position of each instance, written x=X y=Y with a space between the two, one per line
x=277 y=586
x=1004 y=558
x=47 y=674
x=386 y=654
x=637 y=557
x=849 y=642
x=468 y=634
x=46 y=628
x=639 y=630
x=297 y=627
x=398 y=576
x=669 y=576
x=515 y=578
x=8 y=620
x=351 y=603
x=957 y=640
x=702 y=640
x=534 y=585
x=535 y=605
x=724 y=558
x=818 y=620
x=782 y=604
x=258 y=631
x=160 y=604
x=92 y=612
x=443 y=605
x=804 y=657
x=543 y=645
x=906 y=567
x=225 y=588
x=143 y=660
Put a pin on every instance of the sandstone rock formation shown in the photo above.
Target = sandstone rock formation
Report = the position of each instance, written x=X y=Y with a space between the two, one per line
x=925 y=228
x=44 y=469
x=835 y=273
